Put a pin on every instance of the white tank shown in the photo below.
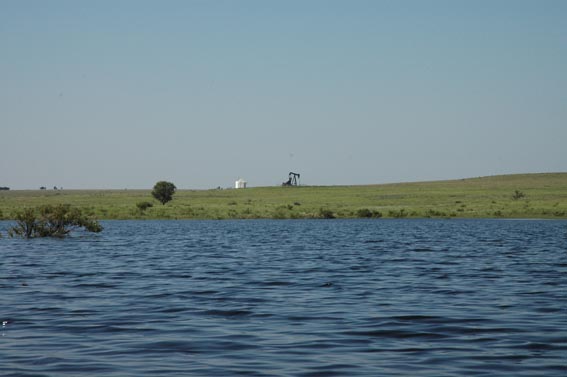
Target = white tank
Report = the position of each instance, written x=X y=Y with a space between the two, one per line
x=241 y=183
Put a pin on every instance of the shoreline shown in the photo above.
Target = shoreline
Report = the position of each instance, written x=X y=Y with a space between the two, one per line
x=543 y=196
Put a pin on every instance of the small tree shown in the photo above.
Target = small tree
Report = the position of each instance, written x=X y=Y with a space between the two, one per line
x=163 y=191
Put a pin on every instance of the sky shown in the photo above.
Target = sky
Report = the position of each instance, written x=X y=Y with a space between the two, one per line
x=123 y=93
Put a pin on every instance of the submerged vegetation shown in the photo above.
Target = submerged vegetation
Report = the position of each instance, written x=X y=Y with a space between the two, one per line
x=510 y=196
x=51 y=221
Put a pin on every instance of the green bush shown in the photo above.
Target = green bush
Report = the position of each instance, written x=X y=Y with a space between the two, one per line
x=142 y=206
x=434 y=213
x=51 y=221
x=368 y=213
x=326 y=214
x=518 y=195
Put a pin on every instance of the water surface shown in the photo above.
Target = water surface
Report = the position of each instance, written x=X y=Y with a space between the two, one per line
x=297 y=298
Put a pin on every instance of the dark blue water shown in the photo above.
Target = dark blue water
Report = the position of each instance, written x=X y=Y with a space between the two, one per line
x=290 y=298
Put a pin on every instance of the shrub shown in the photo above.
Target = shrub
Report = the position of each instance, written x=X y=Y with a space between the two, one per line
x=518 y=195
x=25 y=223
x=434 y=213
x=326 y=213
x=364 y=212
x=142 y=206
x=368 y=213
x=51 y=221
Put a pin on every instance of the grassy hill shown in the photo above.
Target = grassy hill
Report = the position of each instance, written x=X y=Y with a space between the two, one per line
x=544 y=196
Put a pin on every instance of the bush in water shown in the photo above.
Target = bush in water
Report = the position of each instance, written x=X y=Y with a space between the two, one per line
x=51 y=221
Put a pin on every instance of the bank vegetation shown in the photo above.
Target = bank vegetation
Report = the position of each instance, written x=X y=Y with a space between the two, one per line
x=508 y=196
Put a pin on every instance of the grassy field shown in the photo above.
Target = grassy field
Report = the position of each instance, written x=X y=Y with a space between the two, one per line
x=545 y=196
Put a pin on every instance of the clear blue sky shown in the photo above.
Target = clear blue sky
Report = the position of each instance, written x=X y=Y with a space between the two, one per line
x=120 y=94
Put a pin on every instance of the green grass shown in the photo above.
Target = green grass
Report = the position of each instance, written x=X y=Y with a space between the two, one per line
x=486 y=197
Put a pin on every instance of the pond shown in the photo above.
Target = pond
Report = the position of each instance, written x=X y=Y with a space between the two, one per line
x=288 y=297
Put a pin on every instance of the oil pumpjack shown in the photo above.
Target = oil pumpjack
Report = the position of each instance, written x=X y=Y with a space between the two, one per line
x=293 y=180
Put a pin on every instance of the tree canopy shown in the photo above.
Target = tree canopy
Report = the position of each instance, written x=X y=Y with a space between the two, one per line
x=163 y=191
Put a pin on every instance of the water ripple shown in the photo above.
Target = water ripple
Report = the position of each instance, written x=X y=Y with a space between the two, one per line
x=301 y=298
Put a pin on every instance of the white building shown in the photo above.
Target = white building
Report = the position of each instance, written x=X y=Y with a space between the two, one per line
x=241 y=183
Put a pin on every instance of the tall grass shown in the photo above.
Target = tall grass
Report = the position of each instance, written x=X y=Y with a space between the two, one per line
x=544 y=196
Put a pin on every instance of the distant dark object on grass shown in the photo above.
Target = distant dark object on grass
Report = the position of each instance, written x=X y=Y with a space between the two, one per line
x=368 y=213
x=4 y=188
x=326 y=214
x=142 y=206
x=518 y=195
x=163 y=191
x=51 y=221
